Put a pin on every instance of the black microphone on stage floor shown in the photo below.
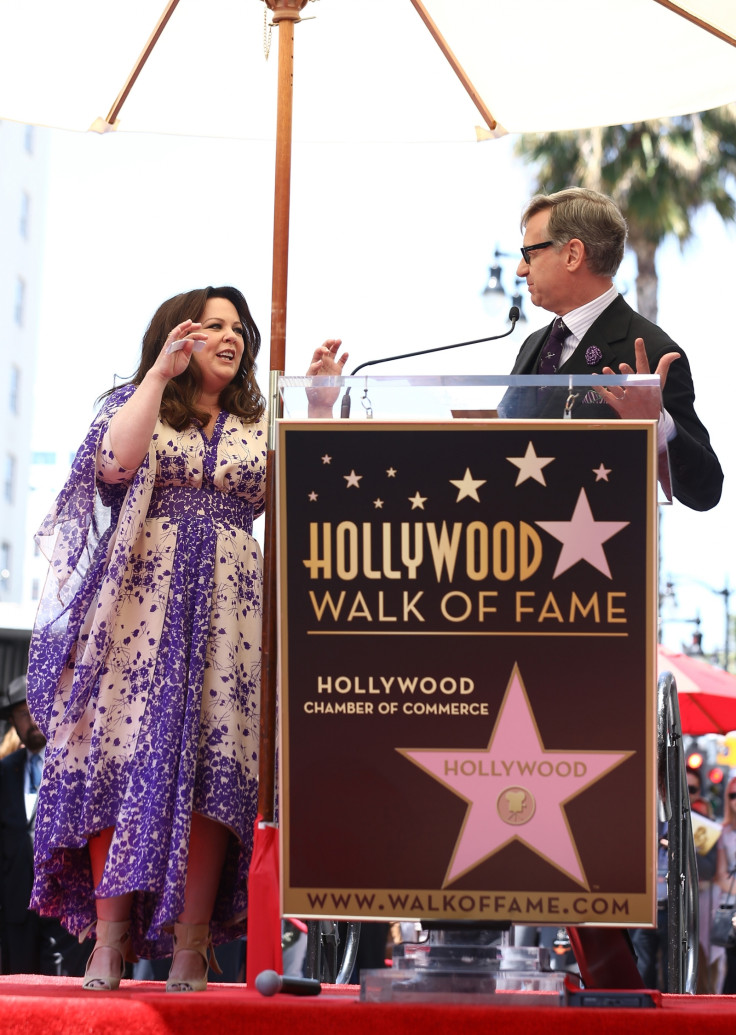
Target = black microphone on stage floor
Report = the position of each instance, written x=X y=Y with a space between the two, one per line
x=514 y=315
x=269 y=982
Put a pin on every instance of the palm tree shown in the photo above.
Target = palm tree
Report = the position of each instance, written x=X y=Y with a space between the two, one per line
x=660 y=173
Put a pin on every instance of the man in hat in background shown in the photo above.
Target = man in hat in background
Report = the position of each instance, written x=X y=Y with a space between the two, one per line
x=29 y=944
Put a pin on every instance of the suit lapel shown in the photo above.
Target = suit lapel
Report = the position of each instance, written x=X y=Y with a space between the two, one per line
x=611 y=327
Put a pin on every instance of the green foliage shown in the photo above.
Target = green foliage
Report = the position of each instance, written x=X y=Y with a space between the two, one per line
x=660 y=172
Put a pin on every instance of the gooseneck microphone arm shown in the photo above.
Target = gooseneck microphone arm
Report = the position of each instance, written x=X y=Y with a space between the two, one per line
x=514 y=315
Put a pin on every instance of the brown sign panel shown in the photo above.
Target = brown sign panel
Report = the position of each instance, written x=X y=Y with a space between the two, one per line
x=468 y=674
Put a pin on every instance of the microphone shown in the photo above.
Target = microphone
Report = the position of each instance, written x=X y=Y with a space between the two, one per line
x=514 y=315
x=269 y=982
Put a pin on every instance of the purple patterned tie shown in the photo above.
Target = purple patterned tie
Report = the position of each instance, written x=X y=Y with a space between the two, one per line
x=549 y=358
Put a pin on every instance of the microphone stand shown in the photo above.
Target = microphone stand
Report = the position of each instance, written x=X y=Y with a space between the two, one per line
x=514 y=315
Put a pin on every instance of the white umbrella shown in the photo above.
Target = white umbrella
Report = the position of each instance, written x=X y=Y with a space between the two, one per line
x=366 y=70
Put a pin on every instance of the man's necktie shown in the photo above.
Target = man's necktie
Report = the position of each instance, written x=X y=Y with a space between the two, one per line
x=36 y=767
x=549 y=358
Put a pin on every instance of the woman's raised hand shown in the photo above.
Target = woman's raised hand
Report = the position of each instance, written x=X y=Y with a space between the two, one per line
x=325 y=363
x=178 y=347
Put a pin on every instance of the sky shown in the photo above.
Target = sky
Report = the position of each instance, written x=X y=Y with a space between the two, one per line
x=389 y=250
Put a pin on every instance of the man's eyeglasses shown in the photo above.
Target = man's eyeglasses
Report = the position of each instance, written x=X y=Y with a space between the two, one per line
x=527 y=248
x=695 y=790
x=731 y=797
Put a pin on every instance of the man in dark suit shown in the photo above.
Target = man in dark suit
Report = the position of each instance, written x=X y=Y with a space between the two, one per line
x=573 y=245
x=29 y=944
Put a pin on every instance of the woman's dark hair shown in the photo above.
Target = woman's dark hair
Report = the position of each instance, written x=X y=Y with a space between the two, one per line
x=241 y=396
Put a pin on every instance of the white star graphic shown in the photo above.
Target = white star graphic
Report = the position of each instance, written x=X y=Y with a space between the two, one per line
x=417 y=501
x=352 y=479
x=601 y=473
x=378 y=504
x=521 y=801
x=582 y=537
x=530 y=465
x=391 y=472
x=312 y=497
x=468 y=486
x=326 y=459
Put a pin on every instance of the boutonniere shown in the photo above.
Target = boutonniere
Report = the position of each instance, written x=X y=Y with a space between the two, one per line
x=593 y=355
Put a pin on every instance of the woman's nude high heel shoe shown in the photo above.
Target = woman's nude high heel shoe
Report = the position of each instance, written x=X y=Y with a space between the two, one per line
x=111 y=934
x=195 y=937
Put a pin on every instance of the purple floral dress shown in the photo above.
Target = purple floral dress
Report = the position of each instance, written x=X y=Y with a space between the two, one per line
x=144 y=672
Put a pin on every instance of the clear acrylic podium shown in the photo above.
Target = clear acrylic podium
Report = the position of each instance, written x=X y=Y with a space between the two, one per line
x=436 y=396
x=476 y=396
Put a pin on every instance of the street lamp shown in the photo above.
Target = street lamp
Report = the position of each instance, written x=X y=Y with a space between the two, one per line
x=726 y=592
x=494 y=295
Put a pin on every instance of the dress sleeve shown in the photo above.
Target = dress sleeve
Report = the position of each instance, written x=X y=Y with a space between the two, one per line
x=87 y=537
x=109 y=471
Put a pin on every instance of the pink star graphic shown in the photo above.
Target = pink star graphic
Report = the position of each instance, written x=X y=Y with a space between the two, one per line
x=582 y=537
x=516 y=789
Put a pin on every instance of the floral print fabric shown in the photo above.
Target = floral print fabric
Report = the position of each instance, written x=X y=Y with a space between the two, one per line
x=144 y=672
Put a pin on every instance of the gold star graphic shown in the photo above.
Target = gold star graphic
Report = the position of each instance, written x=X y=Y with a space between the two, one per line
x=530 y=465
x=468 y=486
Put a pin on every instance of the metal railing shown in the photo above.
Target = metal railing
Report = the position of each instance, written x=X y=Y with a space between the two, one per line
x=325 y=960
x=674 y=805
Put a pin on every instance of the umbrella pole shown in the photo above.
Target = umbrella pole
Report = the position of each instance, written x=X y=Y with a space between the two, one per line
x=285 y=14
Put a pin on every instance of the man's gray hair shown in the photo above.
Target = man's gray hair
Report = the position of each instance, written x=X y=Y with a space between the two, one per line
x=590 y=217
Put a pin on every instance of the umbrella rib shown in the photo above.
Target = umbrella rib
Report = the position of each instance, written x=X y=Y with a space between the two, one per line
x=700 y=22
x=455 y=64
x=121 y=98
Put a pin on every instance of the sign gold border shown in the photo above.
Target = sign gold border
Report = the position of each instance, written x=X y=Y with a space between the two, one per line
x=586 y=907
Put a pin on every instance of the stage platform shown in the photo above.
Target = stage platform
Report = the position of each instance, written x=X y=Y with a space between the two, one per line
x=30 y=1005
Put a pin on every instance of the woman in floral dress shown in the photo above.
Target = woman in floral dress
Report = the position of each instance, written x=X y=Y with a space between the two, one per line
x=144 y=667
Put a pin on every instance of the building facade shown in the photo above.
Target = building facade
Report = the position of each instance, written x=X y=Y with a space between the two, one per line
x=23 y=169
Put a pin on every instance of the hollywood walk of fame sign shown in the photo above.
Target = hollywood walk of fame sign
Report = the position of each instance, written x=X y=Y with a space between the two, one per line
x=468 y=674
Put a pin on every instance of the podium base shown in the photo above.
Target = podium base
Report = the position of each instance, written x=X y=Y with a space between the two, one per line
x=470 y=973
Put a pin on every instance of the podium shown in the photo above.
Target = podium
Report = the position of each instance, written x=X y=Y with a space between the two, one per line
x=467 y=652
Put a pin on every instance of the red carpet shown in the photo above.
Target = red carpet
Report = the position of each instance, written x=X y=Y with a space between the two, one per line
x=57 y=1006
x=30 y=1005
